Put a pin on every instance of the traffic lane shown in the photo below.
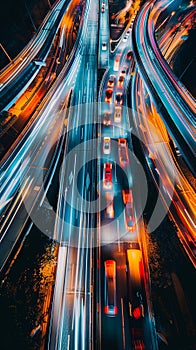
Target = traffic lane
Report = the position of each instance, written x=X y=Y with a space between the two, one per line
x=34 y=177
x=28 y=151
x=133 y=328
x=174 y=110
x=162 y=155
x=120 y=338
x=14 y=90
x=30 y=50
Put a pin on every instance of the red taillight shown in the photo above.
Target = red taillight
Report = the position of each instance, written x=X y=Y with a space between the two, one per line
x=110 y=310
x=137 y=313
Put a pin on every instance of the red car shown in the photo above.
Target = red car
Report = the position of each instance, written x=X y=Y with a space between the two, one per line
x=107 y=176
x=127 y=196
x=108 y=95
x=121 y=81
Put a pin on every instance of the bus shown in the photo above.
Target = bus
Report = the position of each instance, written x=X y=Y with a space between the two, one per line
x=135 y=279
x=110 y=300
x=136 y=294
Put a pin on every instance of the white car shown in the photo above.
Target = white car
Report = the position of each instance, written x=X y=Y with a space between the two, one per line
x=109 y=210
x=104 y=46
x=106 y=145
x=117 y=114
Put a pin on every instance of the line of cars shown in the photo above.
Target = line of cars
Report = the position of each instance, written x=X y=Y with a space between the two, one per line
x=123 y=159
x=122 y=148
x=107 y=118
x=119 y=97
x=129 y=215
x=135 y=292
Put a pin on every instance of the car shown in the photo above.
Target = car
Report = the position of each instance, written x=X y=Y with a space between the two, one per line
x=124 y=71
x=117 y=62
x=129 y=55
x=127 y=196
x=104 y=46
x=119 y=98
x=117 y=114
x=110 y=297
x=107 y=177
x=111 y=81
x=135 y=282
x=108 y=95
x=109 y=211
x=121 y=80
x=125 y=39
x=106 y=145
x=123 y=152
x=103 y=7
x=129 y=217
x=107 y=118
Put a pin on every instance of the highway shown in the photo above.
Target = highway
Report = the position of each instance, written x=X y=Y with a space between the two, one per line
x=82 y=133
x=14 y=68
x=160 y=156
x=114 y=124
x=71 y=318
x=174 y=187
x=25 y=72
x=24 y=109
x=177 y=116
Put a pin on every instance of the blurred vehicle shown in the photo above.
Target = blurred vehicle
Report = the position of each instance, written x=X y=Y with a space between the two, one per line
x=129 y=211
x=104 y=46
x=119 y=98
x=110 y=300
x=129 y=55
x=107 y=118
x=117 y=62
x=130 y=217
x=111 y=80
x=109 y=211
x=107 y=176
x=135 y=276
x=123 y=152
x=123 y=71
x=106 y=145
x=117 y=114
x=121 y=81
x=108 y=95
x=127 y=196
